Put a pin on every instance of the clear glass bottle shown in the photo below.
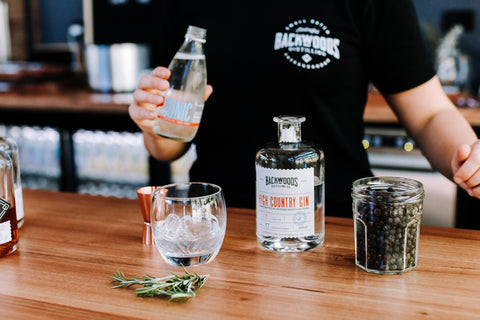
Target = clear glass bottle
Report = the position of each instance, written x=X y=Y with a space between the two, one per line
x=8 y=217
x=290 y=191
x=9 y=146
x=179 y=117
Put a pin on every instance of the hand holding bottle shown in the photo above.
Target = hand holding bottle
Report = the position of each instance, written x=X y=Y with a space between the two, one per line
x=147 y=97
x=169 y=102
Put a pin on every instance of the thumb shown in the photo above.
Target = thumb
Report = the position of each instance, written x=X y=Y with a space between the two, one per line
x=462 y=153
x=208 y=91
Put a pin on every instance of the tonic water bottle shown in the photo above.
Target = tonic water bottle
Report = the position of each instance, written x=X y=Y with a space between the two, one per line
x=179 y=117
x=290 y=207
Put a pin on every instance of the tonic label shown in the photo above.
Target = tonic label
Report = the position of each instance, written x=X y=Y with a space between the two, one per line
x=285 y=202
x=179 y=112
x=4 y=205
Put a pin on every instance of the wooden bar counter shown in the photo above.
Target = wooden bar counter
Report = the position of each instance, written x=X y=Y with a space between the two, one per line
x=71 y=243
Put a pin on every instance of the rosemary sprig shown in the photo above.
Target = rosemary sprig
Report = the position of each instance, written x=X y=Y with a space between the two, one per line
x=174 y=286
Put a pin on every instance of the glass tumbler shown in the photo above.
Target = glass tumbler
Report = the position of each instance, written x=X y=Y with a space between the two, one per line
x=188 y=222
x=387 y=213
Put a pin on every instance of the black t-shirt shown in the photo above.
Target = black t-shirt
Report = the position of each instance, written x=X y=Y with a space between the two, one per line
x=310 y=58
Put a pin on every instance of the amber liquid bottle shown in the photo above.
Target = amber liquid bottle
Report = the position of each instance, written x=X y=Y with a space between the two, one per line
x=10 y=147
x=8 y=216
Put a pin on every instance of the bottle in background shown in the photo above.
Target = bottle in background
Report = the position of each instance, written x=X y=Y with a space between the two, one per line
x=290 y=191
x=9 y=146
x=8 y=218
x=179 y=117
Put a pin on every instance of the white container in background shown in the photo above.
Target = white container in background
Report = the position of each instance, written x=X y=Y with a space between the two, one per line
x=127 y=62
x=5 y=43
x=98 y=66
x=116 y=67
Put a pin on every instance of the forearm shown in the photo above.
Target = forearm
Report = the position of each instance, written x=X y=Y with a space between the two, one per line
x=441 y=136
x=163 y=149
x=434 y=122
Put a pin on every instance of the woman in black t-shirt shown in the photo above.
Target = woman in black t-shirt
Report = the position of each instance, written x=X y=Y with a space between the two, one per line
x=316 y=59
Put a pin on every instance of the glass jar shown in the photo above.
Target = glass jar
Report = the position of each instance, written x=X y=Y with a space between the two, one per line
x=387 y=213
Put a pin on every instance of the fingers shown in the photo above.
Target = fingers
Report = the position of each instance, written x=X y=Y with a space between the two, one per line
x=150 y=82
x=472 y=185
x=161 y=72
x=208 y=91
x=467 y=163
x=147 y=97
x=138 y=114
x=150 y=98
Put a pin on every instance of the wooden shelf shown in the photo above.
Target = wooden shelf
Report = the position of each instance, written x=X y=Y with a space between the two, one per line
x=377 y=111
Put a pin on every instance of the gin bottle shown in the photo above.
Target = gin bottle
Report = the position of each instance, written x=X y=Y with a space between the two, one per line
x=290 y=190
x=179 y=117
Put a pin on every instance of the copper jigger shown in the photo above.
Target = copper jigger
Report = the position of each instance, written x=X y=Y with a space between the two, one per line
x=145 y=195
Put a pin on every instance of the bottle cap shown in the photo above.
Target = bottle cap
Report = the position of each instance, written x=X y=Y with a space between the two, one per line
x=196 y=33
x=289 y=128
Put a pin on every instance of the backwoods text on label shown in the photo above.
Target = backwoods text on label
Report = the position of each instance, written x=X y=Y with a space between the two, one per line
x=283 y=202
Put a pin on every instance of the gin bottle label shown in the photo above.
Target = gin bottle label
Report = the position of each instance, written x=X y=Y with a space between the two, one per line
x=285 y=202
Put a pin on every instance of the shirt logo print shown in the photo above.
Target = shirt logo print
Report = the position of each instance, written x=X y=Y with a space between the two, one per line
x=308 y=44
